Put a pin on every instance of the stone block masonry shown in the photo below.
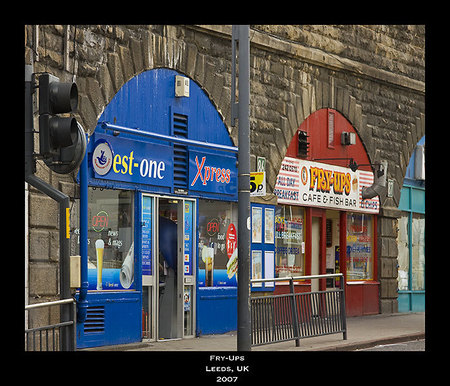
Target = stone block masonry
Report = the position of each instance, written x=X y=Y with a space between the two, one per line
x=374 y=75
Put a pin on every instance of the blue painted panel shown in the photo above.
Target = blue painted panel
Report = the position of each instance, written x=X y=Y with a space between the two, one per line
x=216 y=310
x=404 y=198
x=411 y=301
x=148 y=102
x=418 y=200
x=112 y=318
x=404 y=302
x=145 y=100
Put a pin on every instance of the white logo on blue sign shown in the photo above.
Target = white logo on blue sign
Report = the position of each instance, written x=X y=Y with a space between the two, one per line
x=102 y=157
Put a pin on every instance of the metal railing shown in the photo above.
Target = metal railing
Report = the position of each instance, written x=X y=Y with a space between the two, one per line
x=293 y=316
x=54 y=337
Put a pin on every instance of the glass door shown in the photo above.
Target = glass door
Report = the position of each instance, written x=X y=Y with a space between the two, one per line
x=168 y=242
x=148 y=248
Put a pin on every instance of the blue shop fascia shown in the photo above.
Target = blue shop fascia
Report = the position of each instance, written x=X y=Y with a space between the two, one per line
x=158 y=217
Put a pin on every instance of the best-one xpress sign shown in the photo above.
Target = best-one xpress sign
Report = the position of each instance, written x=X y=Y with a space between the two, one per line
x=309 y=183
x=212 y=173
x=122 y=159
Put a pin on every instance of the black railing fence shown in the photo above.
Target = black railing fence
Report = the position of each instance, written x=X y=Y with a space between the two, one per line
x=293 y=316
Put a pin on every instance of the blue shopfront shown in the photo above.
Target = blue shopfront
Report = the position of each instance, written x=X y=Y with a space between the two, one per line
x=158 y=217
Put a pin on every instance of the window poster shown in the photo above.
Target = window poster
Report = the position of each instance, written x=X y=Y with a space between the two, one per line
x=269 y=225
x=256 y=224
x=359 y=257
x=256 y=267
x=188 y=218
x=110 y=240
x=289 y=242
x=146 y=235
x=217 y=244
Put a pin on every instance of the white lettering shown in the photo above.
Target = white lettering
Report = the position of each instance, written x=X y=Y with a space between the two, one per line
x=152 y=169
x=161 y=168
x=143 y=168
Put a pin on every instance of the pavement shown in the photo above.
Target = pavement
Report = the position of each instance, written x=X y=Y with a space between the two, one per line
x=362 y=332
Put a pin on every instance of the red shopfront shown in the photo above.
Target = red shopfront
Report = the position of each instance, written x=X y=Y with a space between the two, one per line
x=320 y=212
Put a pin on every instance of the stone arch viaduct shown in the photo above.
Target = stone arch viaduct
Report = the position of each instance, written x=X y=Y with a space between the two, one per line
x=373 y=75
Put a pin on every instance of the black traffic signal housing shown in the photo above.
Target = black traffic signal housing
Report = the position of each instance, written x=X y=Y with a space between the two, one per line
x=303 y=144
x=61 y=138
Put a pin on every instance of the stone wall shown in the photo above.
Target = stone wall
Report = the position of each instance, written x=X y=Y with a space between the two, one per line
x=373 y=75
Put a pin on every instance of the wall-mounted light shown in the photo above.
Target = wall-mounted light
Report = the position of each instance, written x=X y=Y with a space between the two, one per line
x=348 y=138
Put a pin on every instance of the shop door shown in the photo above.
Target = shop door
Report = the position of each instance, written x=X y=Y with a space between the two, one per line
x=168 y=276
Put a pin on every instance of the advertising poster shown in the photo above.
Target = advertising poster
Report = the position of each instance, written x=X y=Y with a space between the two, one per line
x=269 y=225
x=110 y=240
x=146 y=241
x=256 y=224
x=217 y=247
x=257 y=267
x=187 y=260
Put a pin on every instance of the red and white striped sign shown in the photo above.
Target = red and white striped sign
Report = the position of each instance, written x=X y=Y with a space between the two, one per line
x=307 y=183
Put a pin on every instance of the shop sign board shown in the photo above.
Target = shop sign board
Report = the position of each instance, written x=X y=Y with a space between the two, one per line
x=212 y=173
x=123 y=159
x=308 y=183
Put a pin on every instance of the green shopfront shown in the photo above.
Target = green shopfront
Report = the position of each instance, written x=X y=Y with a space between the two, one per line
x=411 y=235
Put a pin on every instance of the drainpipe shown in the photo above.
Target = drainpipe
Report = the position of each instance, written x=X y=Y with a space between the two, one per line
x=82 y=302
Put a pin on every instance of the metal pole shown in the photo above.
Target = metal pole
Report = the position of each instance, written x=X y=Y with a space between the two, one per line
x=294 y=313
x=243 y=301
x=82 y=302
x=343 y=311
x=61 y=198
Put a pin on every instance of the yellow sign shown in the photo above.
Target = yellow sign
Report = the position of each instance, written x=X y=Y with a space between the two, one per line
x=67 y=223
x=257 y=184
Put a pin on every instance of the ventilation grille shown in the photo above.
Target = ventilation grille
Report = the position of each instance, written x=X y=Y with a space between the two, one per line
x=95 y=320
x=180 y=152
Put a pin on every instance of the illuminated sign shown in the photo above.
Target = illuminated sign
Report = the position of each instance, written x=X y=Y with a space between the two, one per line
x=100 y=221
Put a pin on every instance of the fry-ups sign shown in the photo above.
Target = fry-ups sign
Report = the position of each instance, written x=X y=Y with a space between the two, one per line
x=307 y=183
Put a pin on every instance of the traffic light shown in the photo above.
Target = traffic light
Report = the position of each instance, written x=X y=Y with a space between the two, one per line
x=62 y=143
x=303 y=144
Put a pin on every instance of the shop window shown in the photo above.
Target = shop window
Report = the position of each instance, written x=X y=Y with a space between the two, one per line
x=217 y=246
x=411 y=252
x=110 y=239
x=403 y=252
x=289 y=241
x=418 y=252
x=359 y=256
